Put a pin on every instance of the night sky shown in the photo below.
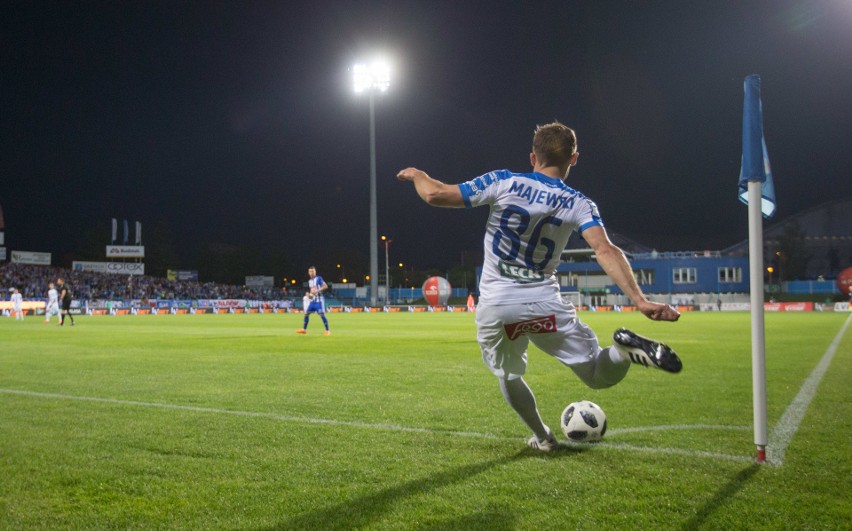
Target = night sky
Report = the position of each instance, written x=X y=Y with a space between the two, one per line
x=234 y=122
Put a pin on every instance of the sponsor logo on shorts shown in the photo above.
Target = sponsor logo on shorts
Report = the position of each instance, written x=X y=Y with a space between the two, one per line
x=539 y=325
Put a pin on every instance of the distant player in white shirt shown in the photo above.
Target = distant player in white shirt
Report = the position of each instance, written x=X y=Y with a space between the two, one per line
x=52 y=307
x=315 y=300
x=17 y=301
x=532 y=216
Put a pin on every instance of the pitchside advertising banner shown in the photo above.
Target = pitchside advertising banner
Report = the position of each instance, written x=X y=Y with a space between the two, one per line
x=28 y=257
x=117 y=268
x=125 y=251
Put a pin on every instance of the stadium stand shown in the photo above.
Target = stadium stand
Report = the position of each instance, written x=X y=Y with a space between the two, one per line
x=32 y=281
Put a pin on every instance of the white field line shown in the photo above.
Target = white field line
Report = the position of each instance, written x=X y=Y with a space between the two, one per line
x=679 y=451
x=395 y=427
x=680 y=427
x=787 y=426
x=255 y=414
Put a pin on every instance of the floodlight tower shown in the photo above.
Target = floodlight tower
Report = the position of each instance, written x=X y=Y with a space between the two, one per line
x=372 y=78
x=387 y=242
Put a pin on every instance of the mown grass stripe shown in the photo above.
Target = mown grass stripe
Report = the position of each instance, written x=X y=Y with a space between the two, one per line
x=399 y=428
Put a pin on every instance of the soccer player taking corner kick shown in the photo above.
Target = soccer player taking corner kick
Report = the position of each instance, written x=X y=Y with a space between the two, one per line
x=532 y=216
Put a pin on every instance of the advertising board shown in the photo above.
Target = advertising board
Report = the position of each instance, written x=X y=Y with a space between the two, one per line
x=29 y=257
x=116 y=268
x=182 y=275
x=260 y=282
x=125 y=251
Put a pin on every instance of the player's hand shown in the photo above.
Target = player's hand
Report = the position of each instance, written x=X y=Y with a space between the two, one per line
x=409 y=174
x=659 y=312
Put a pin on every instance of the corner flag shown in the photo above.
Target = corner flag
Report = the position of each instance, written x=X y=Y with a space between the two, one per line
x=755 y=162
x=757 y=191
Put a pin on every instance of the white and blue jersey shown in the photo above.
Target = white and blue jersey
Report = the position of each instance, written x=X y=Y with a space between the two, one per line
x=317 y=300
x=532 y=216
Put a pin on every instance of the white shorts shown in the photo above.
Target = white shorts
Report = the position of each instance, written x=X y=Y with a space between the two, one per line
x=504 y=332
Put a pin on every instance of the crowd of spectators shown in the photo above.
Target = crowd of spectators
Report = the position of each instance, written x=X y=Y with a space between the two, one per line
x=32 y=281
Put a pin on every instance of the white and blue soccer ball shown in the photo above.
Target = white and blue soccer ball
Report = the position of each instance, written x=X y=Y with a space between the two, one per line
x=583 y=421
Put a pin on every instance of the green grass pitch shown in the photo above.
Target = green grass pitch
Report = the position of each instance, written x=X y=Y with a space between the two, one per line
x=393 y=422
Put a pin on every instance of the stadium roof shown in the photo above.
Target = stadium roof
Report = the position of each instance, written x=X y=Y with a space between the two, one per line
x=828 y=222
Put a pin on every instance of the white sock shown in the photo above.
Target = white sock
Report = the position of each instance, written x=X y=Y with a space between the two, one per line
x=617 y=355
x=520 y=397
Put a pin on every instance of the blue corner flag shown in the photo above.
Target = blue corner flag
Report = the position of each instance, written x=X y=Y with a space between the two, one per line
x=755 y=163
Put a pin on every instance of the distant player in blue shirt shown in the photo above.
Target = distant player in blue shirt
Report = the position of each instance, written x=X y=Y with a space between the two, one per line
x=532 y=215
x=316 y=300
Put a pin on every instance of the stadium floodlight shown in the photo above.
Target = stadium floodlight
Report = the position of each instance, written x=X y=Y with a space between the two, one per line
x=373 y=78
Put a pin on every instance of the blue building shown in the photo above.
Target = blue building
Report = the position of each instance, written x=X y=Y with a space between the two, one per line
x=686 y=277
x=802 y=256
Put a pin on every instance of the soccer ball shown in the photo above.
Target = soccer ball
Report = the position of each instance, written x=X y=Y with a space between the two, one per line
x=583 y=421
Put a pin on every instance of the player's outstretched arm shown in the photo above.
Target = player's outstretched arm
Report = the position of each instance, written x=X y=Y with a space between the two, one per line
x=432 y=191
x=615 y=264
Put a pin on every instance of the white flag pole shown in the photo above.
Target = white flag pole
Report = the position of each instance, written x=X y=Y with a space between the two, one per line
x=758 y=335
